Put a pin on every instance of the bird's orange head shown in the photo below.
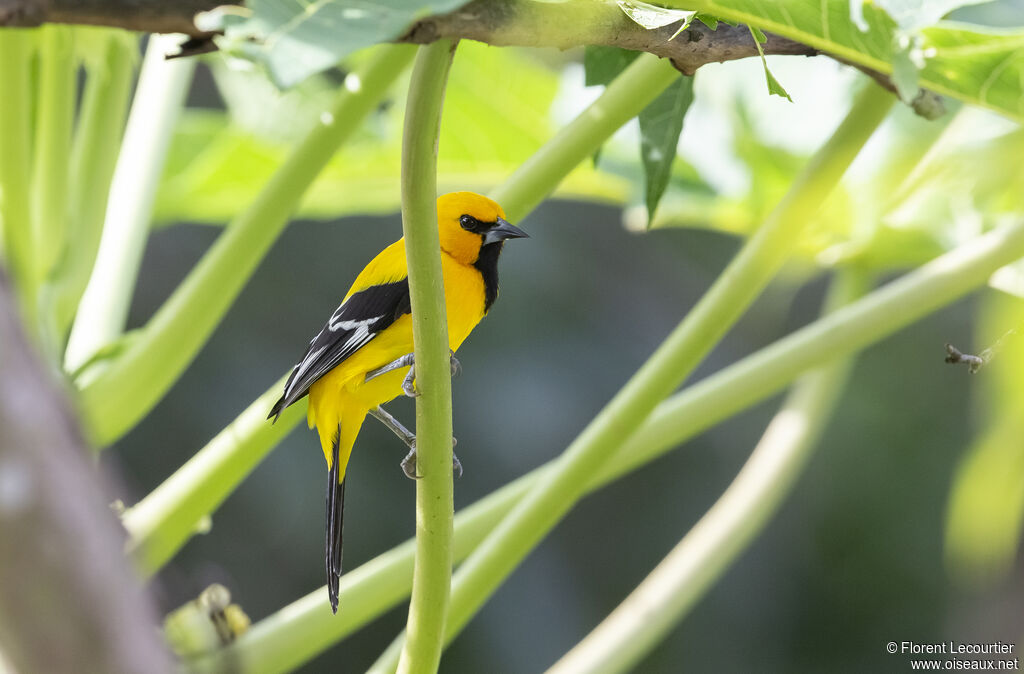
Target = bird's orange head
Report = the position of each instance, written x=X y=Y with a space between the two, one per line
x=467 y=222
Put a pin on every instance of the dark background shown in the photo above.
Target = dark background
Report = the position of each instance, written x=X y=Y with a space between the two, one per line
x=853 y=560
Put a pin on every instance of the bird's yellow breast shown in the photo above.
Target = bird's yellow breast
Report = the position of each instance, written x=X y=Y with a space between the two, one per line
x=345 y=391
x=463 y=298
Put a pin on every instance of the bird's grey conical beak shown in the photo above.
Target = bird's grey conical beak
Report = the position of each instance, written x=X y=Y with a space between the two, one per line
x=503 y=230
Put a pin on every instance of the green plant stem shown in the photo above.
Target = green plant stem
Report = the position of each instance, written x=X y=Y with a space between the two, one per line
x=302 y=629
x=435 y=504
x=161 y=523
x=56 y=107
x=648 y=614
x=159 y=97
x=284 y=647
x=297 y=633
x=849 y=329
x=16 y=48
x=944 y=134
x=94 y=152
x=732 y=293
x=293 y=635
x=124 y=392
x=622 y=100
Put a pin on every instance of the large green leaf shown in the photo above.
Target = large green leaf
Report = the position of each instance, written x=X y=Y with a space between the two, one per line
x=908 y=52
x=970 y=63
x=257 y=105
x=982 y=68
x=495 y=117
x=216 y=166
x=296 y=38
x=916 y=14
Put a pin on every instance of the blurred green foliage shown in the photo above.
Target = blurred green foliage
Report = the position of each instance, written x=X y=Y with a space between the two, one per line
x=495 y=118
x=838 y=568
x=908 y=523
x=986 y=507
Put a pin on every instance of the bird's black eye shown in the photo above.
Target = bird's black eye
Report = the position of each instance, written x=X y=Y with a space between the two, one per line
x=467 y=222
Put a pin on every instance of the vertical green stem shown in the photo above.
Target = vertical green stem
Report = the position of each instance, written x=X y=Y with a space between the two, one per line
x=123 y=393
x=93 y=156
x=732 y=293
x=428 y=607
x=16 y=163
x=158 y=100
x=647 y=615
x=56 y=109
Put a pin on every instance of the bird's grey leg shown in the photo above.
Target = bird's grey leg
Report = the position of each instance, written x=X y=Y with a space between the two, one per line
x=409 y=360
x=395 y=426
x=404 y=361
x=409 y=438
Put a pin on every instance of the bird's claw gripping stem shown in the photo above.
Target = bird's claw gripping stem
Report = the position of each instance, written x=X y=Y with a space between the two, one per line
x=409 y=383
x=409 y=463
x=409 y=360
x=409 y=438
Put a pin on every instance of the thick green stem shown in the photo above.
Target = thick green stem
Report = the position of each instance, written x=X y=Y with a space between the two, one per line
x=647 y=615
x=733 y=291
x=16 y=164
x=158 y=100
x=302 y=629
x=56 y=109
x=94 y=153
x=125 y=391
x=432 y=575
x=161 y=523
x=622 y=100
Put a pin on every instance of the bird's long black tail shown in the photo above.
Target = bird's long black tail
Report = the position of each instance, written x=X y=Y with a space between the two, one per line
x=335 y=520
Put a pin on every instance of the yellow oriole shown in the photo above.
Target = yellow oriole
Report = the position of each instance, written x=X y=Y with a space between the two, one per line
x=355 y=363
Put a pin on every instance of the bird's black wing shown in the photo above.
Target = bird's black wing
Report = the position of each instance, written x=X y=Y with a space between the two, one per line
x=358 y=320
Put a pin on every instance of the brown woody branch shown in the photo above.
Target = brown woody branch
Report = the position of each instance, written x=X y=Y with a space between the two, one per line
x=522 y=23
x=69 y=600
x=149 y=16
x=502 y=23
x=536 y=24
